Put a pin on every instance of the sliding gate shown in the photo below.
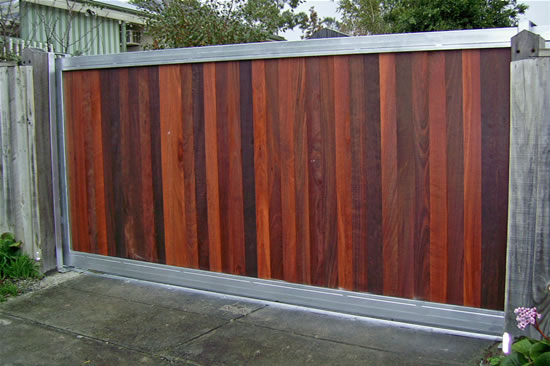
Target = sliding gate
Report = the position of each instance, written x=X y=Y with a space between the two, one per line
x=367 y=175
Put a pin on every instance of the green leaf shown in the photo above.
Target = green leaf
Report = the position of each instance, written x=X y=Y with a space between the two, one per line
x=543 y=360
x=537 y=349
x=522 y=346
x=8 y=236
x=515 y=359
x=495 y=361
x=16 y=244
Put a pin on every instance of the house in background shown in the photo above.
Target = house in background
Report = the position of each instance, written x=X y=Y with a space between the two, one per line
x=75 y=27
x=328 y=33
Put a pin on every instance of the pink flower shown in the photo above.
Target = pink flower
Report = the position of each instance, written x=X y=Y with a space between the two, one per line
x=526 y=316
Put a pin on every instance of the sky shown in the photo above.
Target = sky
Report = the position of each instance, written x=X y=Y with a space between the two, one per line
x=538 y=13
x=325 y=8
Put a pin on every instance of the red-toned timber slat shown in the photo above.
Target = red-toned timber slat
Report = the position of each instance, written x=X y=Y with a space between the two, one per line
x=381 y=173
x=437 y=109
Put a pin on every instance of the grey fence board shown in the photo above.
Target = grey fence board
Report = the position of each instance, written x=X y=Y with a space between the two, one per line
x=528 y=258
x=41 y=63
x=19 y=169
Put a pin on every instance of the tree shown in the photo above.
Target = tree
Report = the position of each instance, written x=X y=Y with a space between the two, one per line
x=9 y=25
x=362 y=17
x=403 y=16
x=188 y=23
x=432 y=15
x=314 y=24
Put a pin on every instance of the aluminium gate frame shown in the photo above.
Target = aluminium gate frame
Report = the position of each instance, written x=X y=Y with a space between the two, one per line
x=452 y=318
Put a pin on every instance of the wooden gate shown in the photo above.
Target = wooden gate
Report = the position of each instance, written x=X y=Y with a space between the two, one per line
x=384 y=173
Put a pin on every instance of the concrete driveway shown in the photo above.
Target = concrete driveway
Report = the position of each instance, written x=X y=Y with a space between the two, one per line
x=92 y=319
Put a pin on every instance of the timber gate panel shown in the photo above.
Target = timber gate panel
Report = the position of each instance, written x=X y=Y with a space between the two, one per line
x=380 y=173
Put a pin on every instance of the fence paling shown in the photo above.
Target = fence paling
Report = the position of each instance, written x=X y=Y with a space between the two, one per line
x=19 y=196
x=15 y=46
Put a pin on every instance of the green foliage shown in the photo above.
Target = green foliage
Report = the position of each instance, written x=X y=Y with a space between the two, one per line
x=525 y=352
x=405 y=16
x=362 y=17
x=9 y=249
x=431 y=15
x=22 y=267
x=13 y=263
x=188 y=23
x=7 y=289
x=313 y=23
x=495 y=360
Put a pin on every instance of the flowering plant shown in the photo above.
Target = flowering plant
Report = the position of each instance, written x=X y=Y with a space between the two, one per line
x=526 y=351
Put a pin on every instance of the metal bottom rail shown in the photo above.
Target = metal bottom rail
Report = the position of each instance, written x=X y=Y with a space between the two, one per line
x=458 y=318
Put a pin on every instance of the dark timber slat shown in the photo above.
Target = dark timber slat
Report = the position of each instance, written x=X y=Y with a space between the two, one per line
x=187 y=115
x=247 y=142
x=273 y=146
x=371 y=167
x=200 y=166
x=495 y=141
x=144 y=120
x=359 y=105
x=381 y=173
x=110 y=99
x=438 y=177
x=390 y=199
x=419 y=66
x=156 y=161
x=406 y=174
x=125 y=198
x=455 y=178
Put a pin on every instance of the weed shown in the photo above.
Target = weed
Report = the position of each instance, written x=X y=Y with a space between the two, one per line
x=13 y=263
x=7 y=289
x=22 y=267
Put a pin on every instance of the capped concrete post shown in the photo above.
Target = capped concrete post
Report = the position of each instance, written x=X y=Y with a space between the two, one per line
x=526 y=44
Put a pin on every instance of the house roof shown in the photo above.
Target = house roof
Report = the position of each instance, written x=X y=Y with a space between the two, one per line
x=117 y=5
x=112 y=9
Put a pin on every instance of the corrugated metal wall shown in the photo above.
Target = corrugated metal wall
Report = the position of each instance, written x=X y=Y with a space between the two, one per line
x=87 y=34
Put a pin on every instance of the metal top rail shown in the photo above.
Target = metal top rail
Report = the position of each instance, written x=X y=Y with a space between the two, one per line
x=429 y=41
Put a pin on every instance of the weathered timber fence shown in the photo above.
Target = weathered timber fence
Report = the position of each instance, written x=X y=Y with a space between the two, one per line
x=26 y=199
x=384 y=173
x=19 y=211
x=528 y=282
x=10 y=46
